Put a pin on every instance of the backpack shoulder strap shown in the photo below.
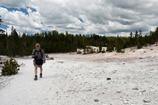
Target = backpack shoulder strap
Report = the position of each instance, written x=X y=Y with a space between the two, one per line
x=41 y=52
x=34 y=51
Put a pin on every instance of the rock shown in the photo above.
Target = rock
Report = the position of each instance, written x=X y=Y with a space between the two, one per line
x=17 y=56
x=108 y=78
x=47 y=56
x=60 y=61
x=51 y=58
x=118 y=92
x=143 y=91
x=135 y=88
x=96 y=100
x=146 y=101
x=114 y=71
x=89 y=90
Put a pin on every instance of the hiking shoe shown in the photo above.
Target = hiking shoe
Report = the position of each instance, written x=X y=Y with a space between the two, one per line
x=40 y=75
x=35 y=77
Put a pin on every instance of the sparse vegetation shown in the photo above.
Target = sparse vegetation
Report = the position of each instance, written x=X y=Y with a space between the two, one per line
x=103 y=51
x=10 y=67
x=79 y=52
x=97 y=51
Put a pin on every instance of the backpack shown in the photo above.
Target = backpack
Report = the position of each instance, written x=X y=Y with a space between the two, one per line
x=39 y=51
x=38 y=61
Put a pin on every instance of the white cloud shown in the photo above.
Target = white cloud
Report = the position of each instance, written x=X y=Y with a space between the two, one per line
x=109 y=17
x=14 y=3
x=20 y=20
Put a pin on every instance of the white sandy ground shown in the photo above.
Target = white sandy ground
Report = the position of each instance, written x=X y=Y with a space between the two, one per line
x=73 y=79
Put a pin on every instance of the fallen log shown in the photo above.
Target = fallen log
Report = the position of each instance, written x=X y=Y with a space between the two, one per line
x=51 y=58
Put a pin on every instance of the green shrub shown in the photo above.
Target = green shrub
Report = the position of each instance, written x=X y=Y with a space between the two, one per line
x=97 y=51
x=79 y=52
x=103 y=51
x=122 y=51
x=91 y=50
x=10 y=67
x=84 y=51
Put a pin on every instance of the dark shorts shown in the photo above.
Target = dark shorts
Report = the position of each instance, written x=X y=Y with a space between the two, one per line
x=34 y=63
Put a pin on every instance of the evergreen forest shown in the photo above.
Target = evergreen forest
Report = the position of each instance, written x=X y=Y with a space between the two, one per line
x=55 y=42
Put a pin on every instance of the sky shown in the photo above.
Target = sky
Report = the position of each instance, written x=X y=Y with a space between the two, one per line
x=102 y=17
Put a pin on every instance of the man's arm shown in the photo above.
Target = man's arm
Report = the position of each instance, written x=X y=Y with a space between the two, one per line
x=33 y=53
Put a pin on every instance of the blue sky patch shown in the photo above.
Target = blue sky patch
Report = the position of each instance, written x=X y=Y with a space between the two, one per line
x=50 y=26
x=42 y=23
x=32 y=9
x=45 y=31
x=38 y=28
x=3 y=26
x=24 y=10
x=81 y=20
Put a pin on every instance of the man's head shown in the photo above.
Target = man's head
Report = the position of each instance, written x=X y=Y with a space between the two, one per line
x=37 y=46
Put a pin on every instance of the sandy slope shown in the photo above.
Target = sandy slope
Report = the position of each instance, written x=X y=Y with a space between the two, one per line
x=73 y=79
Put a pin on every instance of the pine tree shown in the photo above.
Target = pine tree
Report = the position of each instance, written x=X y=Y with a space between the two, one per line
x=156 y=35
x=140 y=40
x=131 y=39
x=131 y=35
x=1 y=30
x=110 y=46
x=119 y=44
x=100 y=46
x=136 y=37
x=14 y=43
x=24 y=43
x=140 y=32
x=138 y=45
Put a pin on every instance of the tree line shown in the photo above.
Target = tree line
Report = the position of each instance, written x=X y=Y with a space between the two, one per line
x=55 y=42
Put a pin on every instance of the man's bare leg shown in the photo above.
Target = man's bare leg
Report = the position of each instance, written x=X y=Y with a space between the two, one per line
x=41 y=69
x=35 y=73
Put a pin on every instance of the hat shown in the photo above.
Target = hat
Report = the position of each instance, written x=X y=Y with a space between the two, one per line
x=37 y=44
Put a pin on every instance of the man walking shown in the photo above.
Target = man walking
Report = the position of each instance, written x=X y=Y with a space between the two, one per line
x=39 y=58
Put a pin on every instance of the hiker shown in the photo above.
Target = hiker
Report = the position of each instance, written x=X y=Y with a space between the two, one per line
x=39 y=59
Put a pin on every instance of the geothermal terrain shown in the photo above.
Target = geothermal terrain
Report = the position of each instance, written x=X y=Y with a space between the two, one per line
x=129 y=78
